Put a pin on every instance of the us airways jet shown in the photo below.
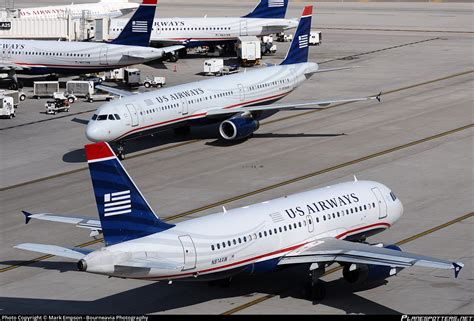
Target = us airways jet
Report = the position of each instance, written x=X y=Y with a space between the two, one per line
x=98 y=10
x=54 y=57
x=237 y=101
x=268 y=17
x=315 y=228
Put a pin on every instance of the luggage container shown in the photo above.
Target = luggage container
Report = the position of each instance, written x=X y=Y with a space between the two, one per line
x=45 y=88
x=80 y=88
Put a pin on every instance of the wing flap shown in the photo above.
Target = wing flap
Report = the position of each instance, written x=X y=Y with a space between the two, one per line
x=72 y=253
x=335 y=250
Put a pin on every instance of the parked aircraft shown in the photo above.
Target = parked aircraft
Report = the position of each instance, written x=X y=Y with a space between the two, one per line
x=53 y=57
x=237 y=101
x=315 y=228
x=267 y=18
x=98 y=10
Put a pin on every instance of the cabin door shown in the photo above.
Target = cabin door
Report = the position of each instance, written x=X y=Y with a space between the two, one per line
x=133 y=114
x=382 y=205
x=184 y=106
x=243 y=28
x=241 y=92
x=189 y=251
x=103 y=55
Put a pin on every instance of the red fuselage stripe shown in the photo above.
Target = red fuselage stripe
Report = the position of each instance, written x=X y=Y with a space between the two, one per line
x=197 y=115
x=265 y=255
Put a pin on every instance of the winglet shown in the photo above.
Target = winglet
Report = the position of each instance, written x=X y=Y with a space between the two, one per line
x=457 y=266
x=27 y=216
x=378 y=96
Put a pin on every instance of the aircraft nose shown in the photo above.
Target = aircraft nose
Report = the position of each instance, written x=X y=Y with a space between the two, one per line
x=95 y=133
x=398 y=209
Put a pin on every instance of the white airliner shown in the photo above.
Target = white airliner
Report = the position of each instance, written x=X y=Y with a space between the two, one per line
x=316 y=228
x=98 y=10
x=53 y=57
x=237 y=101
x=268 y=17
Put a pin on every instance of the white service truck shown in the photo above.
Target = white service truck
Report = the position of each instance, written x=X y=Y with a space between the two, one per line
x=154 y=82
x=129 y=76
x=15 y=94
x=248 y=50
x=216 y=67
x=315 y=38
x=7 y=109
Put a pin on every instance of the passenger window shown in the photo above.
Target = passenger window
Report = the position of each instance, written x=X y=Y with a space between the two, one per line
x=280 y=229
x=264 y=233
x=333 y=215
x=275 y=231
x=228 y=243
x=240 y=241
x=260 y=234
x=289 y=226
x=294 y=225
x=284 y=227
x=245 y=239
x=324 y=217
x=212 y=247
x=235 y=242
x=218 y=246
x=299 y=223
x=223 y=244
x=317 y=220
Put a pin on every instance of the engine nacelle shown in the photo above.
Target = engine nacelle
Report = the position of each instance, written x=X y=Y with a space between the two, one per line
x=362 y=273
x=238 y=127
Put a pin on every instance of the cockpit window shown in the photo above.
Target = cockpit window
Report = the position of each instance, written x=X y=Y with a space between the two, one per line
x=117 y=116
x=102 y=117
x=94 y=117
x=111 y=117
x=392 y=195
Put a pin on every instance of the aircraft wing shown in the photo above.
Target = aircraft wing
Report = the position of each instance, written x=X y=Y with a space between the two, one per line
x=115 y=91
x=4 y=65
x=316 y=104
x=172 y=48
x=84 y=222
x=335 y=250
x=72 y=253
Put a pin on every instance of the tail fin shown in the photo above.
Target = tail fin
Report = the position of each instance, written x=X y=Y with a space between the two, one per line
x=137 y=32
x=269 y=9
x=123 y=211
x=299 y=46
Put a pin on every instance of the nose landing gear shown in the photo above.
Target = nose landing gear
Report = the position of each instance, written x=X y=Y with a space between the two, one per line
x=120 y=150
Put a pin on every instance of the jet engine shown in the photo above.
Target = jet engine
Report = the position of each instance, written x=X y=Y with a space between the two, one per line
x=238 y=127
x=363 y=273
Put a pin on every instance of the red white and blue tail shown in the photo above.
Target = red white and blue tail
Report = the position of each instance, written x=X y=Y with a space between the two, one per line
x=299 y=47
x=275 y=9
x=123 y=211
x=137 y=32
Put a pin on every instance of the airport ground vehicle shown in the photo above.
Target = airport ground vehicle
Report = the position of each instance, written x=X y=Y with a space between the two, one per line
x=155 y=82
x=7 y=109
x=129 y=76
x=15 y=94
x=45 y=88
x=216 y=67
x=99 y=96
x=57 y=105
x=249 y=51
x=284 y=37
x=80 y=88
x=71 y=98
x=95 y=79
x=315 y=38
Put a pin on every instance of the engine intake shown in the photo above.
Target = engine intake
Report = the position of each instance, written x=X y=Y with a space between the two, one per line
x=238 y=127
x=369 y=272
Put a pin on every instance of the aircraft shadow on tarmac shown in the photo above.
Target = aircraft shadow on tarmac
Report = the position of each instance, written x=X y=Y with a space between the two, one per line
x=160 y=296
x=207 y=132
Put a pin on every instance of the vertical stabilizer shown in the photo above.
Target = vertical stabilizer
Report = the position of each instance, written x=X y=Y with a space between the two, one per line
x=299 y=47
x=269 y=9
x=123 y=211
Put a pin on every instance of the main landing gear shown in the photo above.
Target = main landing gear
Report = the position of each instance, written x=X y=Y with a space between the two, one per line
x=314 y=289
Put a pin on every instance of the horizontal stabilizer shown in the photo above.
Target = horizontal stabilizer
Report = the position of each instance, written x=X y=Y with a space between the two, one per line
x=72 y=253
x=84 y=222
